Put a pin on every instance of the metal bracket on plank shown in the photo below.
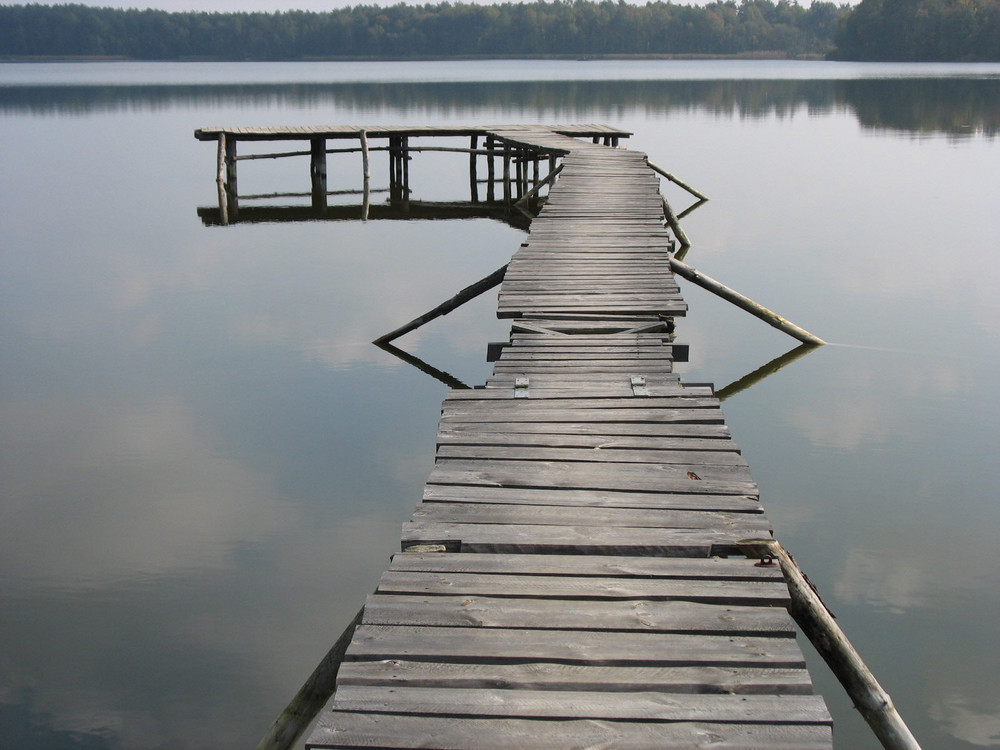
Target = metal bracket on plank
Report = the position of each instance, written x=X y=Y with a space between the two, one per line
x=639 y=388
x=521 y=387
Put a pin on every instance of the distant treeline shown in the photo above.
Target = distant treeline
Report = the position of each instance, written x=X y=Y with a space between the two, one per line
x=932 y=30
x=573 y=28
x=874 y=30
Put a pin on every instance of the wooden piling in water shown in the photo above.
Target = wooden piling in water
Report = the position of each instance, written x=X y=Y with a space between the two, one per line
x=317 y=172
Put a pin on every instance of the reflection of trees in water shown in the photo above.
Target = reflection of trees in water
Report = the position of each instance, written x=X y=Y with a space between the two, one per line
x=955 y=106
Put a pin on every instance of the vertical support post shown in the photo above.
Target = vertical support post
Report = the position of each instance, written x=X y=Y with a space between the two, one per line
x=394 y=171
x=490 y=176
x=232 y=193
x=220 y=179
x=506 y=175
x=367 y=174
x=405 y=161
x=519 y=173
x=473 y=169
x=317 y=172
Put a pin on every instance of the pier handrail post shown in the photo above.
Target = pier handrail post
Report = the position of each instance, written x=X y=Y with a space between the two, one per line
x=822 y=630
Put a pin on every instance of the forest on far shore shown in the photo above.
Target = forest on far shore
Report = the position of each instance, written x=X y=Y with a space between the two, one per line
x=917 y=30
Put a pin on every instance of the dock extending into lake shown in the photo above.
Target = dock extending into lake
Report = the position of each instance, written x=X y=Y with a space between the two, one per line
x=574 y=575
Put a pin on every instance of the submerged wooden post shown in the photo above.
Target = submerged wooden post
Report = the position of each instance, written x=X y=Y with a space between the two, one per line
x=755 y=309
x=317 y=172
x=822 y=630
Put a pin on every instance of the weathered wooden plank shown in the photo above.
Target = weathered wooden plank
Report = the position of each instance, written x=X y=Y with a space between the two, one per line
x=548 y=676
x=713 y=568
x=439 y=583
x=501 y=646
x=601 y=453
x=619 y=428
x=673 y=616
x=344 y=730
x=569 y=497
x=529 y=411
x=690 y=478
x=491 y=436
x=506 y=538
x=551 y=704
x=549 y=515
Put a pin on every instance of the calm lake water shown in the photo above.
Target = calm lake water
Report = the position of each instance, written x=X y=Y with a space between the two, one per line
x=205 y=464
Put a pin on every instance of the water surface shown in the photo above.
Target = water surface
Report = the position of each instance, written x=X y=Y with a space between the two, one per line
x=205 y=463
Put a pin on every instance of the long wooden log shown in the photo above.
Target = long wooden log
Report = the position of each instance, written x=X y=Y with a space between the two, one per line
x=741 y=301
x=822 y=630
x=471 y=291
x=312 y=696
x=679 y=183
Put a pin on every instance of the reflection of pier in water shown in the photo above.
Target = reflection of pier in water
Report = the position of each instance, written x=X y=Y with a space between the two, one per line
x=416 y=210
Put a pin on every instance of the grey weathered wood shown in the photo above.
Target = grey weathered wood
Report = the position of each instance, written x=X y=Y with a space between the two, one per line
x=549 y=676
x=743 y=709
x=760 y=593
x=505 y=538
x=501 y=646
x=653 y=518
x=712 y=568
x=596 y=498
x=669 y=616
x=344 y=730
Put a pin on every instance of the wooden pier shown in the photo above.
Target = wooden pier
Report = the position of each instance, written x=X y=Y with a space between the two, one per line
x=573 y=577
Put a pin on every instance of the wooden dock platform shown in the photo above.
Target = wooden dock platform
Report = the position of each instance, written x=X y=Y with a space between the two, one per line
x=573 y=576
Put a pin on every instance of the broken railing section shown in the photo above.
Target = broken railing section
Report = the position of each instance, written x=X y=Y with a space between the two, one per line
x=822 y=630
